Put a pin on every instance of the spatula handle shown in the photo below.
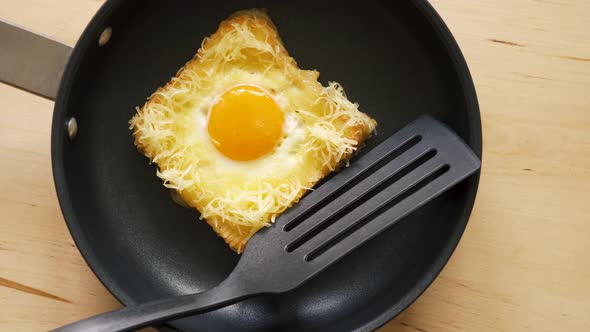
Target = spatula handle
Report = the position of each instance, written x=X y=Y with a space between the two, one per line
x=157 y=312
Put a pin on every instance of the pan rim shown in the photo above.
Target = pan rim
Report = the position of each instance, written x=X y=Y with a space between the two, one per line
x=58 y=139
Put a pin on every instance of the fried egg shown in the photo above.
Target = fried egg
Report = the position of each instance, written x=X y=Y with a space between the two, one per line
x=241 y=133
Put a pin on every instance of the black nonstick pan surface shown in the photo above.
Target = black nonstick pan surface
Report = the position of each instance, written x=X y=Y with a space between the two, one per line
x=395 y=58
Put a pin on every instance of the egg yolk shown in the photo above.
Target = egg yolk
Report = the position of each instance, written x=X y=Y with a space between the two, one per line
x=246 y=123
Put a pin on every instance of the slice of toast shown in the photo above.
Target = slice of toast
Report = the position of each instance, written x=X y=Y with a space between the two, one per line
x=249 y=42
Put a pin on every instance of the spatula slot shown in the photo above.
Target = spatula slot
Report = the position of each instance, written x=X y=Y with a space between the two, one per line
x=361 y=199
x=353 y=181
x=376 y=213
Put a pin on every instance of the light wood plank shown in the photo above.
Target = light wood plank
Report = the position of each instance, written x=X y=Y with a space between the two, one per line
x=522 y=264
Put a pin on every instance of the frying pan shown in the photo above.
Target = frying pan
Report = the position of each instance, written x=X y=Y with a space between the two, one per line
x=395 y=58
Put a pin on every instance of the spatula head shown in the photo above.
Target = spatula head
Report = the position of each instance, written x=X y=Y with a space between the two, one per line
x=377 y=190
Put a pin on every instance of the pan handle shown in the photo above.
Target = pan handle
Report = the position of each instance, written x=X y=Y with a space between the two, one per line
x=30 y=61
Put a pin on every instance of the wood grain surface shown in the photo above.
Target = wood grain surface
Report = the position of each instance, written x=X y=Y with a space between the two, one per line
x=523 y=263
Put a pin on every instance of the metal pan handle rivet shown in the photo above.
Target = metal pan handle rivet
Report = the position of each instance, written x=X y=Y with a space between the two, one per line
x=105 y=36
x=72 y=128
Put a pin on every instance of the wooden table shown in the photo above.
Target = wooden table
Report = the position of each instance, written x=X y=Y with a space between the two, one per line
x=523 y=263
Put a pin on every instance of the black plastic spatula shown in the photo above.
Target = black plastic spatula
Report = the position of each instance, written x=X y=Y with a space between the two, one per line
x=395 y=178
